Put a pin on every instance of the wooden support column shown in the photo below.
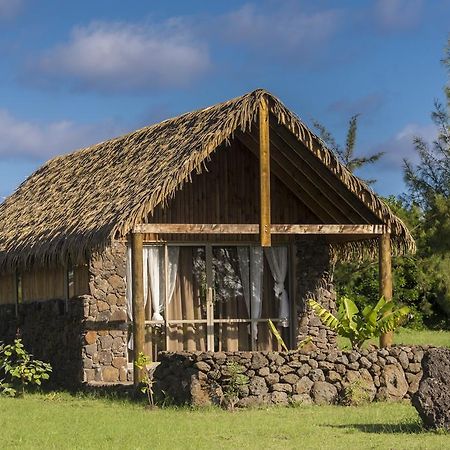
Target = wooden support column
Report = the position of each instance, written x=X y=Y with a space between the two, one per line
x=137 y=277
x=264 y=174
x=385 y=276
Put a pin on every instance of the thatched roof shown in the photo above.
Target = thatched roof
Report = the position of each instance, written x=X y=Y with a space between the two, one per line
x=80 y=201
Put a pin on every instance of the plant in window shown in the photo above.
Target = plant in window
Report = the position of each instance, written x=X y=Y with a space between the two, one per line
x=358 y=327
x=19 y=369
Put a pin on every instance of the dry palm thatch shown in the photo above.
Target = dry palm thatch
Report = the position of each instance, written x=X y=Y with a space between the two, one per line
x=81 y=201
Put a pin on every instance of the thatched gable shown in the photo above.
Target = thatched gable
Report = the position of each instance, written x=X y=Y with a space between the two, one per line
x=80 y=201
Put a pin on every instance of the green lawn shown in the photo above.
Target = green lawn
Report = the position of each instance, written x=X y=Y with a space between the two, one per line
x=440 y=338
x=61 y=421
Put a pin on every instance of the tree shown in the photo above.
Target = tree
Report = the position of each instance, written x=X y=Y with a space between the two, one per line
x=346 y=154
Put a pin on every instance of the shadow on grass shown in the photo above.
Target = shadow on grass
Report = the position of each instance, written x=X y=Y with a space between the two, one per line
x=384 y=428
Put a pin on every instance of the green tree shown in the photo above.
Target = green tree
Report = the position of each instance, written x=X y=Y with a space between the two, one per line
x=346 y=153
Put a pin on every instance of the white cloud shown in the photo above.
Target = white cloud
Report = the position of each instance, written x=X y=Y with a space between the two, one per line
x=287 y=29
x=125 y=57
x=41 y=141
x=401 y=146
x=9 y=8
x=398 y=14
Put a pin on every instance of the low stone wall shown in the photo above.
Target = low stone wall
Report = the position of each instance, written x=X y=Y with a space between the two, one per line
x=325 y=377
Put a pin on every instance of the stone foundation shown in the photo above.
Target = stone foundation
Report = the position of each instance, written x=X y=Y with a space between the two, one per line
x=325 y=377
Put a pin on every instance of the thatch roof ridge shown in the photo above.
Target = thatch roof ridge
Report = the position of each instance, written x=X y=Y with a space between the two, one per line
x=82 y=200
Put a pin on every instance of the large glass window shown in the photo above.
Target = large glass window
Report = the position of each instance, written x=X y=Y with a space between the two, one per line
x=214 y=297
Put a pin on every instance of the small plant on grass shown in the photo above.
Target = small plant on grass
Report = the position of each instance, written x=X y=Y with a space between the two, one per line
x=358 y=327
x=18 y=369
x=356 y=393
x=233 y=383
x=142 y=363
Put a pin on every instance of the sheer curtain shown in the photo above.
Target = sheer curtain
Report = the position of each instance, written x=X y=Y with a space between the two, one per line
x=153 y=267
x=277 y=258
x=251 y=268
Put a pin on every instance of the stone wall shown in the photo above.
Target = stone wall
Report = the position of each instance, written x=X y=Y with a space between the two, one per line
x=105 y=335
x=314 y=280
x=50 y=333
x=325 y=377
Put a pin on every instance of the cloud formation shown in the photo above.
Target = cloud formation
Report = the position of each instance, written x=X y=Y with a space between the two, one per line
x=287 y=29
x=394 y=15
x=125 y=57
x=401 y=146
x=42 y=141
x=365 y=105
x=10 y=8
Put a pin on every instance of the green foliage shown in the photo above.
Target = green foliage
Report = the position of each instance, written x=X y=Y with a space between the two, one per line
x=18 y=369
x=233 y=383
x=356 y=393
x=142 y=362
x=371 y=322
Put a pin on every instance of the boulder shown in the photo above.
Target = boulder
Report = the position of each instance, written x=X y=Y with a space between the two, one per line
x=393 y=379
x=432 y=399
x=323 y=393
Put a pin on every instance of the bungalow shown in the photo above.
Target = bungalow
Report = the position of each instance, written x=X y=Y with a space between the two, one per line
x=186 y=235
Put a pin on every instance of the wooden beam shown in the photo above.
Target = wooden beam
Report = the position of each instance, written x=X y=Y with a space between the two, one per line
x=287 y=177
x=264 y=174
x=137 y=277
x=213 y=228
x=385 y=275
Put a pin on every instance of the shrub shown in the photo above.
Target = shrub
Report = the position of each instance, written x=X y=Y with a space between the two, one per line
x=19 y=369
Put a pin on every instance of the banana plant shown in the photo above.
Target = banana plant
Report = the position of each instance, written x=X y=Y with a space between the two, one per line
x=358 y=327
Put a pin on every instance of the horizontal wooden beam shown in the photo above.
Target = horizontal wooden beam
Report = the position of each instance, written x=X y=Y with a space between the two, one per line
x=214 y=228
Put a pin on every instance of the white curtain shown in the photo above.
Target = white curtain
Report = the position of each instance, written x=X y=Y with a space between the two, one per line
x=153 y=262
x=153 y=265
x=251 y=268
x=277 y=258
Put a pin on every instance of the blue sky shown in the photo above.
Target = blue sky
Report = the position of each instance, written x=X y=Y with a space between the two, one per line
x=76 y=73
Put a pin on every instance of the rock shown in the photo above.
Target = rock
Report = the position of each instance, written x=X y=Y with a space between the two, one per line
x=279 y=398
x=119 y=362
x=119 y=315
x=403 y=359
x=304 y=370
x=202 y=366
x=393 y=378
x=413 y=381
x=259 y=361
x=90 y=337
x=313 y=363
x=282 y=387
x=110 y=374
x=264 y=371
x=317 y=375
x=283 y=370
x=415 y=367
x=333 y=376
x=290 y=378
x=432 y=399
x=272 y=378
x=258 y=386
x=303 y=386
x=90 y=349
x=323 y=393
x=106 y=342
x=364 y=362
x=199 y=395
x=102 y=306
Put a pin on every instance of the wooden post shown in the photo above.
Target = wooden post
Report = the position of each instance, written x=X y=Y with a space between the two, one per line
x=264 y=174
x=137 y=271
x=385 y=277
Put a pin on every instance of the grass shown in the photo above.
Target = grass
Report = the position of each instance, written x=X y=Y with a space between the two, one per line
x=439 y=338
x=63 y=421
